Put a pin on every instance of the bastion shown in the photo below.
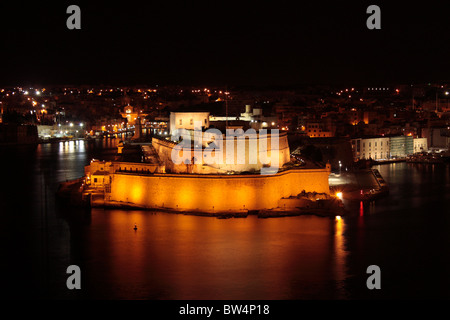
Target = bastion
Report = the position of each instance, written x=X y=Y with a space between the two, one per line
x=201 y=188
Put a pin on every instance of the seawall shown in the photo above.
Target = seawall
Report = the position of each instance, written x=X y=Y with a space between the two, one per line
x=215 y=193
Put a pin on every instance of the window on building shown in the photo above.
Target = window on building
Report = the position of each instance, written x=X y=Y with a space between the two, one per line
x=191 y=122
x=95 y=180
x=181 y=122
x=205 y=121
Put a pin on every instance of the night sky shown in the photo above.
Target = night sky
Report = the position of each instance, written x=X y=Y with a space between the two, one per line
x=217 y=43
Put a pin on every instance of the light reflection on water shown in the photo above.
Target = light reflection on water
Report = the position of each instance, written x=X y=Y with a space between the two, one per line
x=189 y=257
x=174 y=256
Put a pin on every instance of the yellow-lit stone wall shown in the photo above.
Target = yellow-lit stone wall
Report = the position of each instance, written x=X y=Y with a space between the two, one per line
x=209 y=193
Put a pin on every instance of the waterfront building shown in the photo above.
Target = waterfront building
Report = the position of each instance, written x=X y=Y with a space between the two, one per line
x=420 y=145
x=61 y=130
x=376 y=148
x=401 y=146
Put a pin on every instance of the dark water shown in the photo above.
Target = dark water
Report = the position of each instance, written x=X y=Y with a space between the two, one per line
x=174 y=256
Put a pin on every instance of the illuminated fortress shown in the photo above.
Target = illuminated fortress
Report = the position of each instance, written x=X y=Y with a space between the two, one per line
x=235 y=182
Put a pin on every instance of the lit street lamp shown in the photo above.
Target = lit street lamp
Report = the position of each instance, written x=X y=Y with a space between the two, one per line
x=446 y=93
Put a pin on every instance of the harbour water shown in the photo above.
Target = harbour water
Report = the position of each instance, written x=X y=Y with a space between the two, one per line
x=174 y=256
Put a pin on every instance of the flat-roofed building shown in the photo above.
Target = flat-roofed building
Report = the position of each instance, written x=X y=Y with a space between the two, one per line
x=420 y=145
x=401 y=146
x=376 y=148
x=317 y=130
x=188 y=120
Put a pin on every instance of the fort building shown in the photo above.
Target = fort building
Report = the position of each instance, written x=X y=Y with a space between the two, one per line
x=233 y=182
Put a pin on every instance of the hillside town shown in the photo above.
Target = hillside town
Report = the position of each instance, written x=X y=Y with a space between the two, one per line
x=337 y=125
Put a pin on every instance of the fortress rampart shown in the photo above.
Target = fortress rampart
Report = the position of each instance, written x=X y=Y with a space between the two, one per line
x=243 y=146
x=215 y=193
